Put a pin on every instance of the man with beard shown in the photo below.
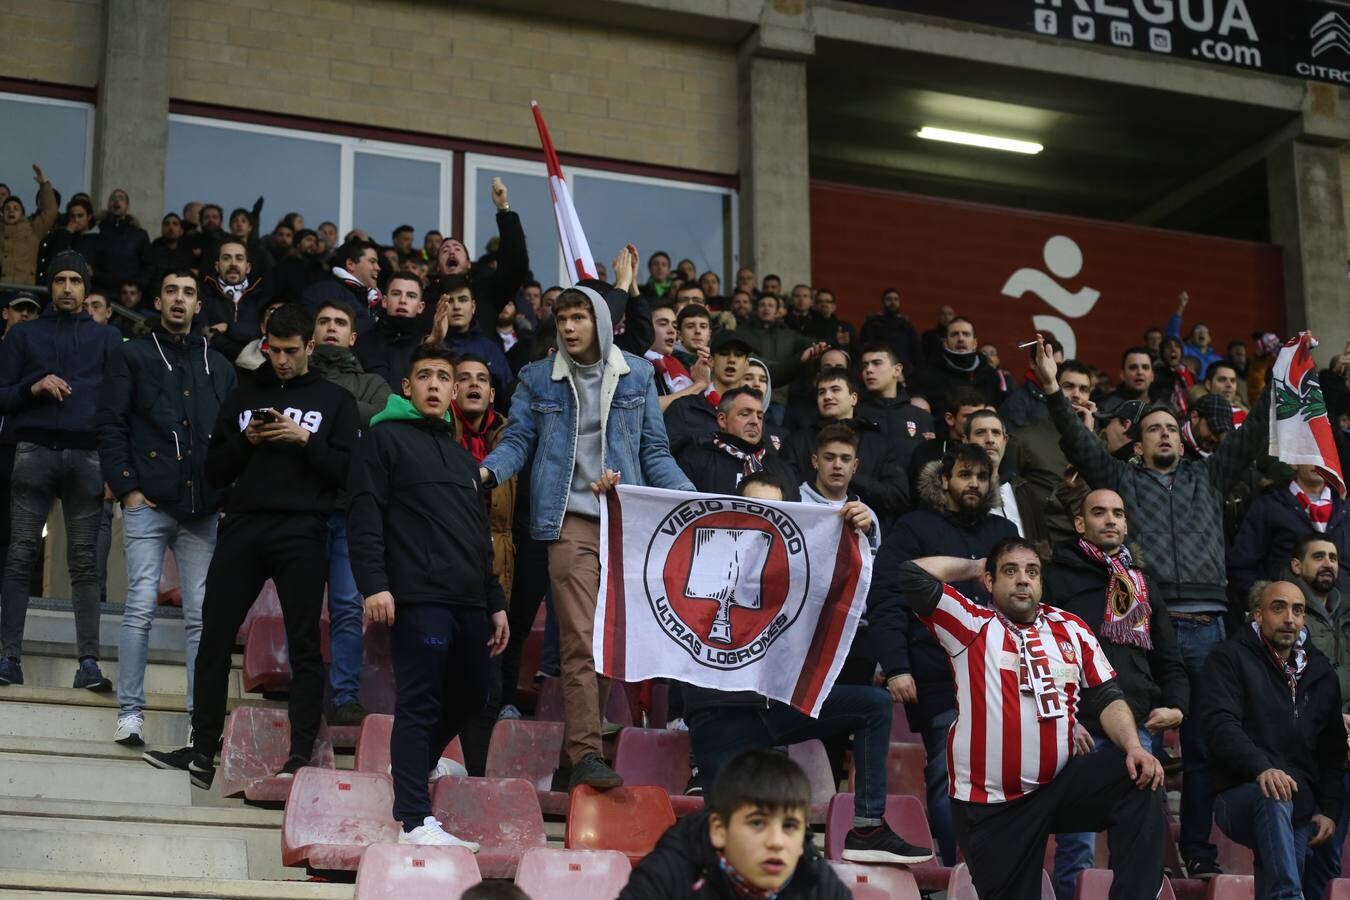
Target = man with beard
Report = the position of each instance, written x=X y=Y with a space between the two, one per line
x=692 y=418
x=892 y=328
x=301 y=267
x=492 y=285
x=386 y=349
x=1095 y=577
x=1136 y=380
x=1271 y=708
x=1177 y=507
x=513 y=337
x=954 y=519
x=886 y=402
x=959 y=363
x=717 y=464
x=957 y=406
x=1279 y=520
x=1209 y=422
x=1314 y=568
x=233 y=300
x=122 y=248
x=456 y=328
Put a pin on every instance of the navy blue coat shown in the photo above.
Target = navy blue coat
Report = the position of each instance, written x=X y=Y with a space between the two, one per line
x=1265 y=542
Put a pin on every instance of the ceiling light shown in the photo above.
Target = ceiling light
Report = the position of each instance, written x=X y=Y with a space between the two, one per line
x=972 y=139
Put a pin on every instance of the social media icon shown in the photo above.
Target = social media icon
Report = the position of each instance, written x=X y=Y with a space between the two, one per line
x=1122 y=34
x=1047 y=21
x=1160 y=40
x=1084 y=28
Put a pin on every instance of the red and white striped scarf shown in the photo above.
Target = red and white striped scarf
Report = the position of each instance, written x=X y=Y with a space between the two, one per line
x=1126 y=620
x=1319 y=510
x=1033 y=667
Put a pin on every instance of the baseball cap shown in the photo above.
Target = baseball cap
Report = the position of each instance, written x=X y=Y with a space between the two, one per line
x=725 y=340
x=24 y=299
x=1215 y=411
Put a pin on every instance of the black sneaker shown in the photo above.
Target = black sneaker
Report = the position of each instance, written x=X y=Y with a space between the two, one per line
x=881 y=845
x=595 y=772
x=90 y=677
x=350 y=713
x=1203 y=869
x=200 y=769
x=10 y=671
x=694 y=788
x=293 y=764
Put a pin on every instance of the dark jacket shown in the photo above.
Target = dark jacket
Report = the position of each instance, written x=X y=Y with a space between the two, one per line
x=1036 y=453
x=935 y=380
x=689 y=421
x=332 y=288
x=71 y=345
x=293 y=275
x=474 y=341
x=1265 y=541
x=243 y=320
x=905 y=425
x=416 y=524
x=387 y=348
x=340 y=366
x=493 y=286
x=897 y=333
x=1177 y=520
x=59 y=240
x=714 y=471
x=160 y=400
x=1023 y=406
x=1149 y=679
x=121 y=253
x=162 y=258
x=902 y=643
x=826 y=328
x=781 y=349
x=685 y=865
x=1328 y=624
x=1250 y=723
x=880 y=482
x=284 y=478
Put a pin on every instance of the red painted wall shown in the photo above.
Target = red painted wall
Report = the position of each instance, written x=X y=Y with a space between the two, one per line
x=939 y=251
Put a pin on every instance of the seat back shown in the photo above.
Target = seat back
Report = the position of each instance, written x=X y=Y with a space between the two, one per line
x=1095 y=884
x=628 y=819
x=1232 y=887
x=653 y=756
x=372 y=745
x=254 y=747
x=520 y=748
x=815 y=762
x=893 y=881
x=546 y=872
x=332 y=817
x=405 y=872
x=500 y=814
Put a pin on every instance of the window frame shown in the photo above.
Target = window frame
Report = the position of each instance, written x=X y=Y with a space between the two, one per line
x=88 y=108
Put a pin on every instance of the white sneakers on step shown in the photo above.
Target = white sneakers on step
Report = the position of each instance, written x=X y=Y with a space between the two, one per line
x=130 y=730
x=431 y=834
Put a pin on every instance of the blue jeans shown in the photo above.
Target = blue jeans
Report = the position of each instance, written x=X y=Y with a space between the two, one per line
x=865 y=712
x=1266 y=826
x=345 y=608
x=146 y=532
x=1077 y=850
x=935 y=778
x=1197 y=804
x=1324 y=861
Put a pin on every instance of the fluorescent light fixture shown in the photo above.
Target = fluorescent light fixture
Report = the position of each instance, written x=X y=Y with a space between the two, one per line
x=988 y=141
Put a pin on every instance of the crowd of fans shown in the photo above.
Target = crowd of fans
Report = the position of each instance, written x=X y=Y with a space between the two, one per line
x=425 y=435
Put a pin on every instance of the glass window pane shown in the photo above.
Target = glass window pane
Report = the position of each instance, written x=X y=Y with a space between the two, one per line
x=55 y=137
x=232 y=168
x=531 y=201
x=389 y=191
x=682 y=222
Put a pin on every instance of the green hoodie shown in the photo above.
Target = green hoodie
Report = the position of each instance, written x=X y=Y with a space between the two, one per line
x=400 y=409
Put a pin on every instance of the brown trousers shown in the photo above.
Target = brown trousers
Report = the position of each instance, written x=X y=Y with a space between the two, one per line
x=574 y=571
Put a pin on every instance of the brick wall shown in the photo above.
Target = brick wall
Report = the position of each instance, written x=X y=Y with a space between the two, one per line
x=467 y=73
x=52 y=40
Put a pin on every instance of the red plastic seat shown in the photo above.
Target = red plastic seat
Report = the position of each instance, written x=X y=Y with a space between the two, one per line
x=1047 y=886
x=267 y=663
x=520 y=748
x=256 y=744
x=893 y=881
x=815 y=762
x=531 y=652
x=1095 y=884
x=501 y=814
x=1338 y=889
x=628 y=819
x=904 y=771
x=332 y=817
x=1234 y=858
x=959 y=885
x=545 y=872
x=372 y=745
x=906 y=817
x=267 y=604
x=404 y=872
x=1232 y=887
x=659 y=757
x=549 y=706
x=900 y=731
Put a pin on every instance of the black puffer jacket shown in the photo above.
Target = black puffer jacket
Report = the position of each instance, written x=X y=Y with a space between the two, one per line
x=904 y=424
x=1148 y=678
x=386 y=349
x=121 y=253
x=715 y=471
x=685 y=865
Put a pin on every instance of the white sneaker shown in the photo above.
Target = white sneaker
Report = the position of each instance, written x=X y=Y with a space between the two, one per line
x=676 y=725
x=509 y=711
x=448 y=766
x=431 y=834
x=130 y=730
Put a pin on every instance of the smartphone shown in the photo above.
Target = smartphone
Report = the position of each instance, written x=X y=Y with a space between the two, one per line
x=265 y=416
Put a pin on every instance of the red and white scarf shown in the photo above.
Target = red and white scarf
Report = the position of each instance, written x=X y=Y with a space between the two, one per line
x=753 y=460
x=1181 y=388
x=373 y=296
x=673 y=373
x=1319 y=510
x=1292 y=668
x=1033 y=667
x=1127 y=615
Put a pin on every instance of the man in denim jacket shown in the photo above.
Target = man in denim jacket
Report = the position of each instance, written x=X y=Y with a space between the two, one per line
x=589 y=416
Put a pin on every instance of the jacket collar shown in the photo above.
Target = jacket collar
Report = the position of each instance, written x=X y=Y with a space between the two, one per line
x=614 y=362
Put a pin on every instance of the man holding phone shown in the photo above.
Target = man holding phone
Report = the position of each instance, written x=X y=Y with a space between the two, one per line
x=282 y=445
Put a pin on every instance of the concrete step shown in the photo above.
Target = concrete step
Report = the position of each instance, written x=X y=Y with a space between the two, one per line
x=52 y=621
x=39 y=885
x=58 y=671
x=91 y=781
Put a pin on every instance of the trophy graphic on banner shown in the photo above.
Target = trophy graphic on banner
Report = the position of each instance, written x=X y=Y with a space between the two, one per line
x=727 y=565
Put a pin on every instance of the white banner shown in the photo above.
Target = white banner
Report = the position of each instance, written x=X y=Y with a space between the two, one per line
x=728 y=593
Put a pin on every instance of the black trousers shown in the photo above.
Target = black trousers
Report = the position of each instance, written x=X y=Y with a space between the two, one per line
x=527 y=592
x=441 y=673
x=291 y=549
x=1004 y=843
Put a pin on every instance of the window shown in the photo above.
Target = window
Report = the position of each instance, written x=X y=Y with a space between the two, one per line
x=389 y=191
x=527 y=187
x=55 y=134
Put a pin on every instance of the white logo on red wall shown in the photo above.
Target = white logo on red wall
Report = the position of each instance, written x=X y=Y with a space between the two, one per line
x=1063 y=257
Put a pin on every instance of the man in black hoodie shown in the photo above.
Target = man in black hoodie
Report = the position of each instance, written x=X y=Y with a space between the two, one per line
x=413 y=500
x=886 y=402
x=1270 y=711
x=892 y=328
x=282 y=445
x=959 y=363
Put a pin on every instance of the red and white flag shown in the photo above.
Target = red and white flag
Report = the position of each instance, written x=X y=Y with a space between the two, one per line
x=580 y=264
x=1300 y=432
x=728 y=593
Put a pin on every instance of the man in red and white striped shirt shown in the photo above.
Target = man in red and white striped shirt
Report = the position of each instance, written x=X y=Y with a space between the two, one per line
x=1023 y=671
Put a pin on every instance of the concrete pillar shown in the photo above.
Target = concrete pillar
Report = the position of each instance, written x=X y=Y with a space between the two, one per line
x=1307 y=221
x=775 y=200
x=131 y=126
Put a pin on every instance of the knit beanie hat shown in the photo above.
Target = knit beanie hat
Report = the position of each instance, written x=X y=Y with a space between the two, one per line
x=68 y=261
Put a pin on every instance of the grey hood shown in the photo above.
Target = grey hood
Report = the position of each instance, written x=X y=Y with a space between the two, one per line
x=604 y=327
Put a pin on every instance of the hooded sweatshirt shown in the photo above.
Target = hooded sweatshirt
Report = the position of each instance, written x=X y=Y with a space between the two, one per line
x=340 y=366
x=586 y=381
